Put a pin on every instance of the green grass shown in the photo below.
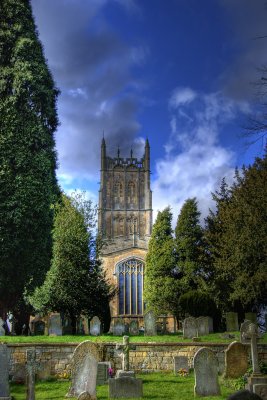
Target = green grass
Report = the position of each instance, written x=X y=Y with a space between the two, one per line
x=169 y=338
x=156 y=386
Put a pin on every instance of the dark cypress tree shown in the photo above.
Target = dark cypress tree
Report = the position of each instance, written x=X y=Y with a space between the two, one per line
x=161 y=288
x=27 y=155
x=75 y=283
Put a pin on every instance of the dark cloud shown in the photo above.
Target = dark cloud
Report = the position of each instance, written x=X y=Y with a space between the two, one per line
x=91 y=67
x=248 y=23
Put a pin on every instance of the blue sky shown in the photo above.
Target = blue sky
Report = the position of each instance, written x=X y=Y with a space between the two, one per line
x=179 y=72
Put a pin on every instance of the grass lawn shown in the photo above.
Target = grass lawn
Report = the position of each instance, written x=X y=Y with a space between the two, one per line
x=156 y=386
x=169 y=338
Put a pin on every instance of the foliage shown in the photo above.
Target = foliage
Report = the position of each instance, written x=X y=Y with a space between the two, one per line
x=197 y=303
x=75 y=283
x=27 y=154
x=236 y=234
x=161 y=288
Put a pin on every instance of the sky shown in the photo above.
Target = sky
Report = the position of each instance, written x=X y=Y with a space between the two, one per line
x=181 y=73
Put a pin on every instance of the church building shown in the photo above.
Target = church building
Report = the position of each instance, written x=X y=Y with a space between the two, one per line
x=125 y=222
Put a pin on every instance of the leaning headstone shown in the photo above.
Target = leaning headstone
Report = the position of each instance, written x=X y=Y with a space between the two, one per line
x=190 y=328
x=252 y=317
x=102 y=372
x=231 y=321
x=118 y=327
x=180 y=363
x=150 y=324
x=4 y=366
x=203 y=326
x=31 y=369
x=55 y=325
x=95 y=326
x=2 y=330
x=244 y=338
x=134 y=328
x=236 y=360
x=84 y=368
x=206 y=373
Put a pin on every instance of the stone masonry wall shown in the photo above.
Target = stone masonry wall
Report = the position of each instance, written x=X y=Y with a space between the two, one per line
x=55 y=359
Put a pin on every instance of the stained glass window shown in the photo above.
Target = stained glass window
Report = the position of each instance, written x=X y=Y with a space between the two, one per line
x=130 y=278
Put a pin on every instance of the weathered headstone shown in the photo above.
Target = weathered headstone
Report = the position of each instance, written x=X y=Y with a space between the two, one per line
x=66 y=326
x=31 y=369
x=180 y=362
x=252 y=317
x=210 y=324
x=2 y=330
x=190 y=328
x=206 y=373
x=244 y=338
x=85 y=325
x=102 y=372
x=80 y=326
x=95 y=326
x=125 y=387
x=84 y=368
x=150 y=324
x=236 y=360
x=134 y=327
x=118 y=327
x=203 y=326
x=231 y=321
x=55 y=325
x=39 y=327
x=4 y=364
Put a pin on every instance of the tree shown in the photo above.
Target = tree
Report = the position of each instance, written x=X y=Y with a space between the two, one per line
x=161 y=288
x=27 y=155
x=239 y=229
x=75 y=284
x=189 y=246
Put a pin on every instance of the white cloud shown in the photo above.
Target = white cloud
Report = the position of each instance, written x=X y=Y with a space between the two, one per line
x=182 y=96
x=194 y=161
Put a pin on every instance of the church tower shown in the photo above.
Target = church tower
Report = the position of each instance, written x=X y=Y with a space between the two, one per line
x=125 y=222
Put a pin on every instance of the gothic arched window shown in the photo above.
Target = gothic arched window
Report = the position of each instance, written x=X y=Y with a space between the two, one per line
x=130 y=278
x=131 y=192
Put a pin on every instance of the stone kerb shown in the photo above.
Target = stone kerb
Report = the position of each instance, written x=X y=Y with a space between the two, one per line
x=84 y=368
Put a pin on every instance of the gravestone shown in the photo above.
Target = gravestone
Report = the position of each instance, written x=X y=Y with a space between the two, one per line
x=31 y=369
x=180 y=362
x=210 y=324
x=236 y=360
x=134 y=328
x=55 y=325
x=244 y=338
x=66 y=326
x=38 y=327
x=118 y=327
x=79 y=326
x=150 y=324
x=84 y=366
x=4 y=366
x=203 y=326
x=206 y=373
x=102 y=372
x=125 y=387
x=95 y=326
x=190 y=328
x=2 y=330
x=85 y=325
x=252 y=317
x=231 y=321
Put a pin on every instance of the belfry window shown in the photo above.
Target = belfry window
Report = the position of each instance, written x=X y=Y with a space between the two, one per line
x=131 y=278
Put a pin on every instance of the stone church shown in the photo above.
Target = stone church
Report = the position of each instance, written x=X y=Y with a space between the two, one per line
x=125 y=221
